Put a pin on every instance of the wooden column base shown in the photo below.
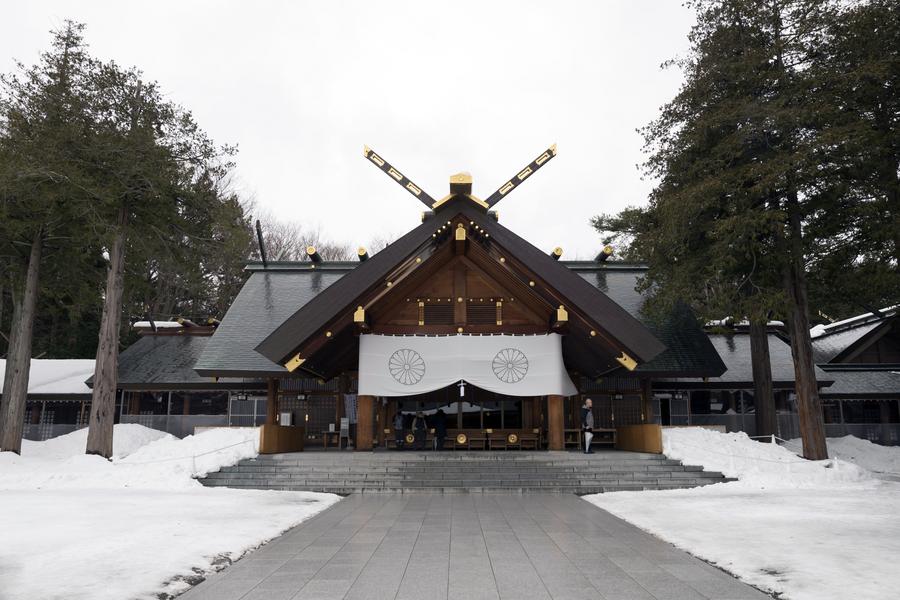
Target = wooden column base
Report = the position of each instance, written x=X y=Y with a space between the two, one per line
x=555 y=423
x=365 y=416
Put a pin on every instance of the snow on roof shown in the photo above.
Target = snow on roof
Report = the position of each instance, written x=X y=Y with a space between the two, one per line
x=858 y=320
x=159 y=325
x=57 y=376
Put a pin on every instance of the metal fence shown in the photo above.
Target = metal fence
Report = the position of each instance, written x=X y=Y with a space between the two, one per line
x=178 y=425
x=787 y=425
x=39 y=432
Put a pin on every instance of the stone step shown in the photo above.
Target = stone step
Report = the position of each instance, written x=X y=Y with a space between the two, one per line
x=581 y=488
x=636 y=475
x=344 y=473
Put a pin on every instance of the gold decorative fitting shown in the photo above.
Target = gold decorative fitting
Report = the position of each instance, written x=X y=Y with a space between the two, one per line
x=390 y=283
x=313 y=266
x=542 y=158
x=558 y=251
x=395 y=174
x=410 y=438
x=359 y=315
x=524 y=173
x=627 y=362
x=328 y=334
x=377 y=160
x=292 y=364
x=593 y=333
x=310 y=250
x=421 y=313
x=418 y=259
x=461 y=438
x=460 y=234
x=461 y=178
x=607 y=249
x=507 y=187
x=449 y=222
x=531 y=283
x=459 y=299
x=487 y=235
x=553 y=149
x=562 y=315
x=366 y=150
x=512 y=438
x=459 y=330
x=414 y=190
x=503 y=260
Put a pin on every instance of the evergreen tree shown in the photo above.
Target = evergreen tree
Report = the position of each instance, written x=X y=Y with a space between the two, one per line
x=725 y=227
x=45 y=124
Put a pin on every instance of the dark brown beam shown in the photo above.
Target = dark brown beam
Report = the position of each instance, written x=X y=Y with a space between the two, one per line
x=399 y=177
x=521 y=176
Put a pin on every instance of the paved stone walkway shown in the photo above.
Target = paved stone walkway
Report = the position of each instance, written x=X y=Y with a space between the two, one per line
x=429 y=547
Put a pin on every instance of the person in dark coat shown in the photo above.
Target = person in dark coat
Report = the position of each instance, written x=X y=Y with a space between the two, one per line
x=398 y=430
x=440 y=429
x=587 y=424
x=419 y=429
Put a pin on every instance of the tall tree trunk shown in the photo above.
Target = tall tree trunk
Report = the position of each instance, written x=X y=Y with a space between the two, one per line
x=103 y=398
x=18 y=360
x=763 y=395
x=809 y=406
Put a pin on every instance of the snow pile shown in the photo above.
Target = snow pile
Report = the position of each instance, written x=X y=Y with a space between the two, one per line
x=126 y=439
x=139 y=526
x=755 y=464
x=874 y=457
x=145 y=458
x=824 y=530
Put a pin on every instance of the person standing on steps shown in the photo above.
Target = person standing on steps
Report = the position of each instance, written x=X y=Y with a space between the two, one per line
x=440 y=429
x=418 y=427
x=587 y=424
x=398 y=430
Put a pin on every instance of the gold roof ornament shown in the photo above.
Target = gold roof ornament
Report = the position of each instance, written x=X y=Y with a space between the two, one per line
x=626 y=361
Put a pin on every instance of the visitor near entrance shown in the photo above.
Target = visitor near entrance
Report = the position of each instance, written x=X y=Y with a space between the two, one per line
x=418 y=427
x=587 y=424
x=398 y=430
x=440 y=429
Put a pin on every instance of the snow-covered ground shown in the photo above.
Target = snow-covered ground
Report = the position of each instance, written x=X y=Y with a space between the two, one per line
x=80 y=527
x=806 y=530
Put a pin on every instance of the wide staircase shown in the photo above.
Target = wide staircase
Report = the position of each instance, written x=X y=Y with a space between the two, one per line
x=461 y=472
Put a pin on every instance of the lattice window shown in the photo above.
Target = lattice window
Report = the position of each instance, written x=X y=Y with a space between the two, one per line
x=482 y=314
x=439 y=314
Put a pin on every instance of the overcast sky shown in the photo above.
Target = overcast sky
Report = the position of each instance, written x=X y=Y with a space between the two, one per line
x=434 y=88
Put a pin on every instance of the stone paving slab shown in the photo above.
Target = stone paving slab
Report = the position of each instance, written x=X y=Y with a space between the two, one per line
x=490 y=547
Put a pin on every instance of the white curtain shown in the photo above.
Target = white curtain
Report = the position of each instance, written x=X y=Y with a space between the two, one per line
x=515 y=365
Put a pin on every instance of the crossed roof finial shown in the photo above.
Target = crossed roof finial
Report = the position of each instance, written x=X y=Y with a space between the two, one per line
x=461 y=183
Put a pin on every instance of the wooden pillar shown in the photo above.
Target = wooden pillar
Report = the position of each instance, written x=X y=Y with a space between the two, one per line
x=555 y=423
x=365 y=413
x=272 y=402
x=186 y=401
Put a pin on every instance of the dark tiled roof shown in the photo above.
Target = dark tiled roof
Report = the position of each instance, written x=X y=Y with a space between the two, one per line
x=734 y=349
x=167 y=362
x=299 y=326
x=863 y=383
x=827 y=347
x=688 y=349
x=267 y=299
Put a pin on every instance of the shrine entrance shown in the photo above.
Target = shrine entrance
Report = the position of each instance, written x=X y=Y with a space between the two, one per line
x=473 y=418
